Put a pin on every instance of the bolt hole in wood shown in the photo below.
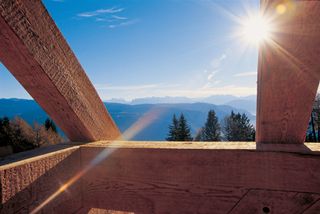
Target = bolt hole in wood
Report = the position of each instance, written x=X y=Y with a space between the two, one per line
x=266 y=210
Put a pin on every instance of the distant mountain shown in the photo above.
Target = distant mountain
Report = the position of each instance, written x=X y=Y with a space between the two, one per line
x=247 y=103
x=218 y=99
x=29 y=110
x=215 y=99
x=157 y=100
x=115 y=100
x=125 y=115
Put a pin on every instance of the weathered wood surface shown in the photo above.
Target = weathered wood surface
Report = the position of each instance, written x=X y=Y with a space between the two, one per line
x=27 y=183
x=307 y=148
x=191 y=178
x=161 y=177
x=288 y=72
x=314 y=209
x=26 y=157
x=101 y=211
x=35 y=52
x=270 y=201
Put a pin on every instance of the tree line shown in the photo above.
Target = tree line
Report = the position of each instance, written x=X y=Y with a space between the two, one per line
x=234 y=127
x=20 y=136
x=313 y=131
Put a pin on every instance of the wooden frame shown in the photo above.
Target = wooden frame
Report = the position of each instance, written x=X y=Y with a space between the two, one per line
x=37 y=55
x=289 y=72
x=35 y=52
x=158 y=177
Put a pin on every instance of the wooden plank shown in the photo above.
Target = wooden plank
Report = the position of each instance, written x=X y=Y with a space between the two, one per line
x=270 y=201
x=34 y=155
x=173 y=179
x=306 y=148
x=26 y=184
x=314 y=209
x=289 y=71
x=35 y=52
x=161 y=177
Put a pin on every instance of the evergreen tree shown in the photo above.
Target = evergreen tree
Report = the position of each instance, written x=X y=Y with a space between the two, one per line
x=49 y=124
x=20 y=136
x=179 y=130
x=313 y=131
x=184 y=133
x=211 y=130
x=4 y=131
x=316 y=109
x=173 y=130
x=237 y=127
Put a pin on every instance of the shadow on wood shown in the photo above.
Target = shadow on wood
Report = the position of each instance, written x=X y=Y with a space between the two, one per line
x=140 y=177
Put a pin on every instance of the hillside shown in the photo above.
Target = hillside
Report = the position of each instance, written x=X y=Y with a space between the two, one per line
x=247 y=103
x=125 y=115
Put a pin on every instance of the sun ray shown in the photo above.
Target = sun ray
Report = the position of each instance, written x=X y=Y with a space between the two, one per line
x=291 y=60
x=254 y=29
x=143 y=122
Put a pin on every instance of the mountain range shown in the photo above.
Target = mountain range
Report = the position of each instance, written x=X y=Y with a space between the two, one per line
x=247 y=103
x=125 y=115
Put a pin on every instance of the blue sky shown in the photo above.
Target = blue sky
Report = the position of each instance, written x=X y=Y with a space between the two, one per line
x=144 y=48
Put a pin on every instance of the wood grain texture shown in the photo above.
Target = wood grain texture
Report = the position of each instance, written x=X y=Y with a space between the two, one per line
x=35 y=52
x=276 y=202
x=288 y=72
x=161 y=177
x=314 y=209
x=180 y=180
x=306 y=148
x=103 y=211
x=26 y=184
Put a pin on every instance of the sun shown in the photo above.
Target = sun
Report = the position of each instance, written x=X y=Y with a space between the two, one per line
x=256 y=29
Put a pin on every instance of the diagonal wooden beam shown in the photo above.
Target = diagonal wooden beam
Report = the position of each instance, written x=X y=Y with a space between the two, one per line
x=289 y=71
x=35 y=52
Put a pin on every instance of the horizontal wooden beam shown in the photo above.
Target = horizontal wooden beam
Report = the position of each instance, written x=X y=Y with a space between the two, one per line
x=199 y=178
x=289 y=71
x=306 y=148
x=35 y=52
x=26 y=183
x=161 y=177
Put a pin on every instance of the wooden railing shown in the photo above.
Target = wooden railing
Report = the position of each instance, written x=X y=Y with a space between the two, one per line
x=35 y=52
x=163 y=177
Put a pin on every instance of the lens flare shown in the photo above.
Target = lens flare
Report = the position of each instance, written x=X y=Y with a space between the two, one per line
x=281 y=9
x=143 y=122
x=256 y=29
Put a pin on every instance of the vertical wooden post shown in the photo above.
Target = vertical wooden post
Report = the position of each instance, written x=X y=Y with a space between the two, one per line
x=289 y=71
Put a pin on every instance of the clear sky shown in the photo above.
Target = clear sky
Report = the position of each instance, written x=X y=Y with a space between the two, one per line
x=144 y=48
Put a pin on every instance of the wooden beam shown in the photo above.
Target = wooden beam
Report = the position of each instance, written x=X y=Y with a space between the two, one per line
x=161 y=177
x=196 y=178
x=35 y=52
x=289 y=71
x=25 y=183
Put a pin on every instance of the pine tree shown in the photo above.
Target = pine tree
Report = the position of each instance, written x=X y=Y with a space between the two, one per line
x=184 y=133
x=173 y=130
x=4 y=131
x=49 y=124
x=237 y=127
x=179 y=129
x=211 y=130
